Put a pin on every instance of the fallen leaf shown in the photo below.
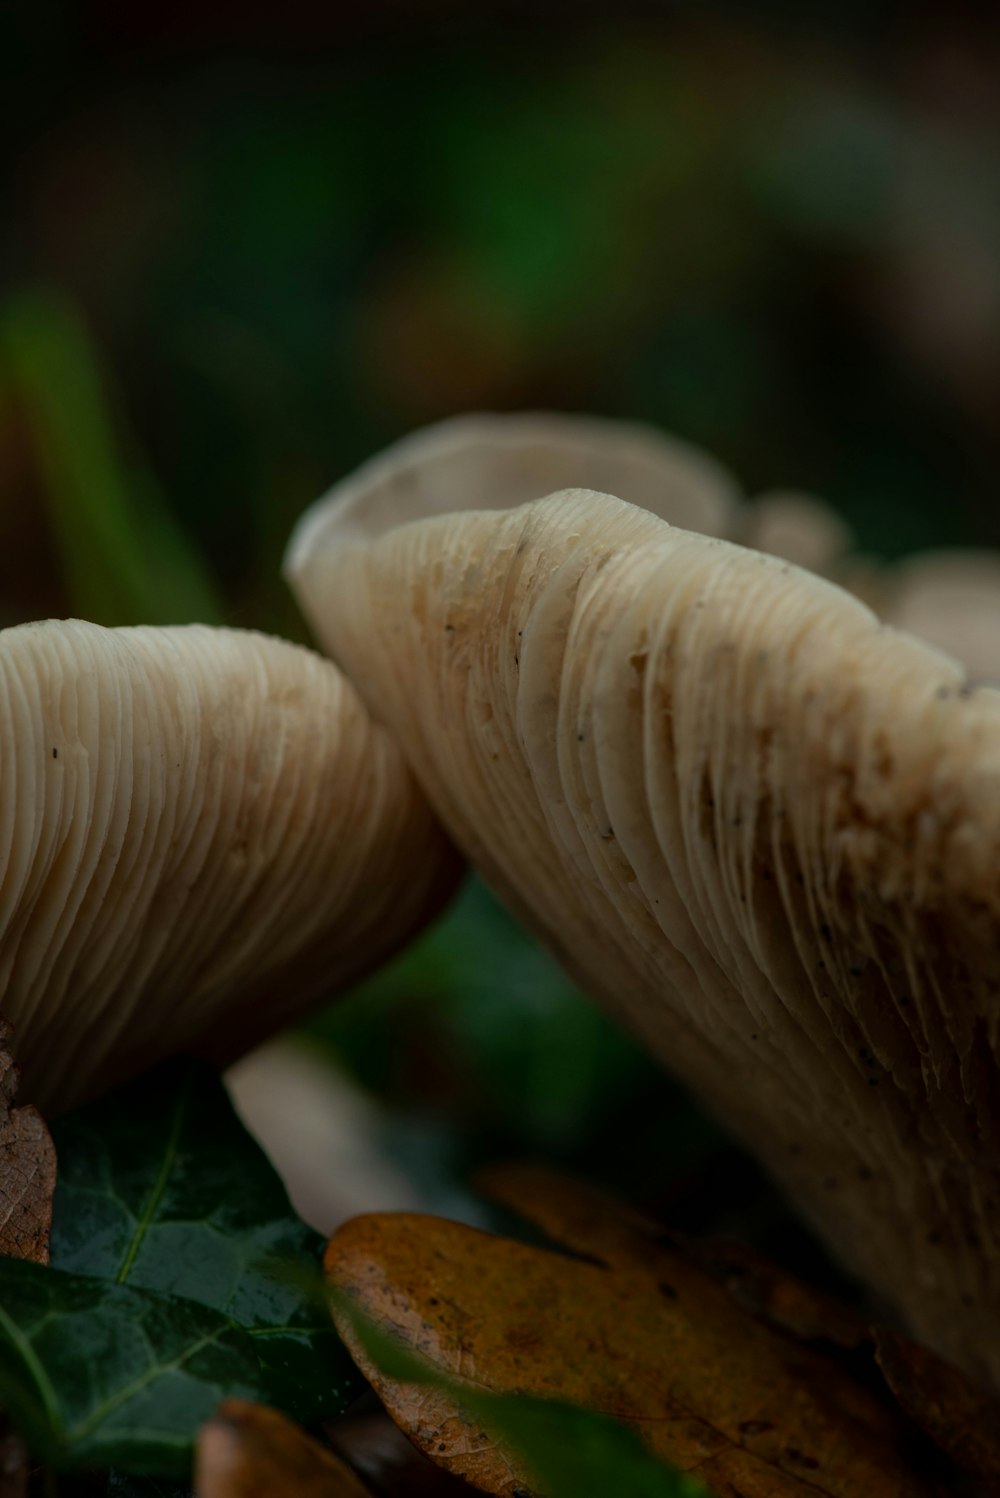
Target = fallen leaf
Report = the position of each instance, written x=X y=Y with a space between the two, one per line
x=627 y=1327
x=14 y=1467
x=770 y=1293
x=27 y=1169
x=382 y=1456
x=960 y=1419
x=248 y=1450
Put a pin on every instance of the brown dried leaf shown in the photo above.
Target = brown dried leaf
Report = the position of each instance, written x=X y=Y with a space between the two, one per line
x=960 y=1419
x=767 y=1291
x=633 y=1330
x=382 y=1456
x=27 y=1170
x=14 y=1466
x=251 y=1451
x=588 y=1220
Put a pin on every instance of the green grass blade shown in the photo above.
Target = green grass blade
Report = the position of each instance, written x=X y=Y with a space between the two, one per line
x=124 y=557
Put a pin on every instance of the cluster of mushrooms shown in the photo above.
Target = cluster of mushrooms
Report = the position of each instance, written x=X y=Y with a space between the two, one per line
x=753 y=818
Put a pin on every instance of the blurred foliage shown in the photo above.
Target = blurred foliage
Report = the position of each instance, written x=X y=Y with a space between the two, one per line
x=123 y=555
x=235 y=261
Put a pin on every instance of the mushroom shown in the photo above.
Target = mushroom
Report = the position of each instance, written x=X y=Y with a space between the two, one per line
x=491 y=462
x=201 y=833
x=952 y=599
x=797 y=527
x=761 y=827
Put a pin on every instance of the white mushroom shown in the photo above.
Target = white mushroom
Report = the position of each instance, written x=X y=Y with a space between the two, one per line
x=796 y=527
x=763 y=828
x=951 y=599
x=201 y=833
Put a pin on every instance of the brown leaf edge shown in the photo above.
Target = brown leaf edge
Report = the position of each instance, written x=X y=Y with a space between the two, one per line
x=249 y=1450
x=14 y=1464
x=378 y=1451
x=27 y=1168
x=960 y=1419
x=744 y=1409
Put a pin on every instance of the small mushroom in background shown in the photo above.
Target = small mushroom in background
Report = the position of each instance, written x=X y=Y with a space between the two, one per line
x=951 y=599
x=489 y=462
x=201 y=833
x=761 y=827
x=796 y=527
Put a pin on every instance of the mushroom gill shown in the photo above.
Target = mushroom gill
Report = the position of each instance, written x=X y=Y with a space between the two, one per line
x=761 y=827
x=201 y=833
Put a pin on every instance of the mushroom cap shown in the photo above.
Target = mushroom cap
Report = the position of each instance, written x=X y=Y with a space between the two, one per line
x=201 y=833
x=763 y=828
x=489 y=462
x=796 y=527
x=952 y=600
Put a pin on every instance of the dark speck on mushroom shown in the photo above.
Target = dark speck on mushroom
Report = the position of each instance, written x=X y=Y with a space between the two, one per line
x=55 y=753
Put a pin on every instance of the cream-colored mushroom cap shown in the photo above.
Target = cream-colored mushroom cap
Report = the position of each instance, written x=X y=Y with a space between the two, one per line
x=763 y=828
x=201 y=832
x=490 y=462
x=951 y=599
x=796 y=527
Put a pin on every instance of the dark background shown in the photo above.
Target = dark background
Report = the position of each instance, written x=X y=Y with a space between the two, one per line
x=243 y=247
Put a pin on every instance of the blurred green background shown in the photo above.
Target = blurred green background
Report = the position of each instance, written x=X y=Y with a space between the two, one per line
x=243 y=248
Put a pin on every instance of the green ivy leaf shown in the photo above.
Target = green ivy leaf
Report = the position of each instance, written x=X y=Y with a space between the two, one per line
x=125 y=1485
x=180 y=1276
x=161 y=1188
x=95 y=1373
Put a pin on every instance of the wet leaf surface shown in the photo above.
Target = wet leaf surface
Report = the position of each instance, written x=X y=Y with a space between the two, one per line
x=627 y=1327
x=180 y=1276
x=97 y=1374
x=162 y=1188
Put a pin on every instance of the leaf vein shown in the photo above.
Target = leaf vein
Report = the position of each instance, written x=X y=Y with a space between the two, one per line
x=159 y=1185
